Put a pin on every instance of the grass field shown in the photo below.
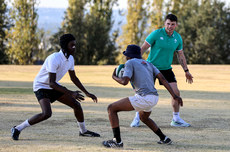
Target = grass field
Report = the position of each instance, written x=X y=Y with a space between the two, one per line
x=206 y=107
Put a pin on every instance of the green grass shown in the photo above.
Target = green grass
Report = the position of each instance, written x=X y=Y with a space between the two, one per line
x=206 y=107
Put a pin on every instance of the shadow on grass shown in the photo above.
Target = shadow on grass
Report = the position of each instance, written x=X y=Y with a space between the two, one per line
x=16 y=87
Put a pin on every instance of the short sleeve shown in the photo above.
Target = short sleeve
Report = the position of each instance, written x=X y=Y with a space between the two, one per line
x=151 y=38
x=51 y=65
x=155 y=71
x=128 y=69
x=180 y=46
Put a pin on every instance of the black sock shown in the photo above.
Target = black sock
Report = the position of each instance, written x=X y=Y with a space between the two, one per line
x=117 y=135
x=160 y=134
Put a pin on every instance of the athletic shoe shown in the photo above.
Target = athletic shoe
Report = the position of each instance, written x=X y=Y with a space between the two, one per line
x=15 y=133
x=112 y=144
x=180 y=123
x=135 y=123
x=166 y=141
x=89 y=134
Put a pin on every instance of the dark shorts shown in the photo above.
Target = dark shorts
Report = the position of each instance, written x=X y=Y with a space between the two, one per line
x=53 y=95
x=169 y=76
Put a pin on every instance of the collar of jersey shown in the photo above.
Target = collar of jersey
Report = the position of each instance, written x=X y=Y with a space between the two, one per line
x=63 y=56
x=165 y=33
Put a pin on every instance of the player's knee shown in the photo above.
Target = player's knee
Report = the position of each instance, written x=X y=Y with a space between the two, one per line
x=143 y=119
x=46 y=115
x=77 y=106
x=110 y=108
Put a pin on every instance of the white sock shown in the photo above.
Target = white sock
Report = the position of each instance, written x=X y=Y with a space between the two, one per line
x=23 y=125
x=176 y=116
x=82 y=127
x=137 y=117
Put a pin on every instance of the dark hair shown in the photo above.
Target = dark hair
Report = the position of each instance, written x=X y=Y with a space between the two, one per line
x=65 y=39
x=171 y=17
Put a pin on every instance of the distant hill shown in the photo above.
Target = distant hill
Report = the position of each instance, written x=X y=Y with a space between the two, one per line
x=50 y=19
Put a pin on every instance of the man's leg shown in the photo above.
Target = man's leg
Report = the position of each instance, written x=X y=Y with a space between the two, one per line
x=121 y=105
x=46 y=113
x=78 y=112
x=144 y=116
x=177 y=121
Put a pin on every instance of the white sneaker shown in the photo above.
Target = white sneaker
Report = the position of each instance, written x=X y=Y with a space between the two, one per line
x=135 y=123
x=180 y=123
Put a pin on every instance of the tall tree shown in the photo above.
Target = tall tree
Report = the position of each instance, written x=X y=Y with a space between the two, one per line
x=186 y=29
x=134 y=31
x=212 y=42
x=156 y=14
x=3 y=26
x=100 y=46
x=205 y=35
x=92 y=29
x=23 y=39
x=74 y=23
x=174 y=6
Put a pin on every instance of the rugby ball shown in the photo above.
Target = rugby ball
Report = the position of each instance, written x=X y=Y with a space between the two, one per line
x=120 y=70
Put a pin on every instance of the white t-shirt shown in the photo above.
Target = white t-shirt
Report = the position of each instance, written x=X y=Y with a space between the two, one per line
x=54 y=63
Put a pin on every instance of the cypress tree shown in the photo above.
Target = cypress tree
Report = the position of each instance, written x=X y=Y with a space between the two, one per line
x=22 y=36
x=134 y=31
x=91 y=26
x=3 y=27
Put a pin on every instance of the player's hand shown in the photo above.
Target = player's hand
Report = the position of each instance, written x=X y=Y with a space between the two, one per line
x=189 y=77
x=92 y=96
x=114 y=72
x=78 y=96
x=179 y=100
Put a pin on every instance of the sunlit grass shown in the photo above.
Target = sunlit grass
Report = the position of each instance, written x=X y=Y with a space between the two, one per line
x=206 y=107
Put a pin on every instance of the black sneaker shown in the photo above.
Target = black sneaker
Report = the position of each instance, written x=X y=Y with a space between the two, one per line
x=15 y=133
x=112 y=144
x=166 y=141
x=89 y=134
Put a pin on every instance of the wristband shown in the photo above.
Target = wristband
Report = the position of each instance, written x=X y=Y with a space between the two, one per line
x=186 y=70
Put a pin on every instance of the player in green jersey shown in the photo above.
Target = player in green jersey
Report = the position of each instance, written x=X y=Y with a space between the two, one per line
x=163 y=43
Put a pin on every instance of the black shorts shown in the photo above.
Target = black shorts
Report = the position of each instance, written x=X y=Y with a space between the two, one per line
x=169 y=76
x=53 y=95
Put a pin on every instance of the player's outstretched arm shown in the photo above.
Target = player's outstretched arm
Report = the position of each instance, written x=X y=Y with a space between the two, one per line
x=183 y=62
x=75 y=94
x=169 y=88
x=78 y=83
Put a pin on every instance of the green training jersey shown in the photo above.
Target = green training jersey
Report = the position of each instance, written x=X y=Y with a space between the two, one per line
x=163 y=47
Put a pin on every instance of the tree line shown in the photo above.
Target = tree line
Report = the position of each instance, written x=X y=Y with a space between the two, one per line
x=203 y=24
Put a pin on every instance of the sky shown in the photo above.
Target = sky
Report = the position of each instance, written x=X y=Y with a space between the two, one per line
x=64 y=3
